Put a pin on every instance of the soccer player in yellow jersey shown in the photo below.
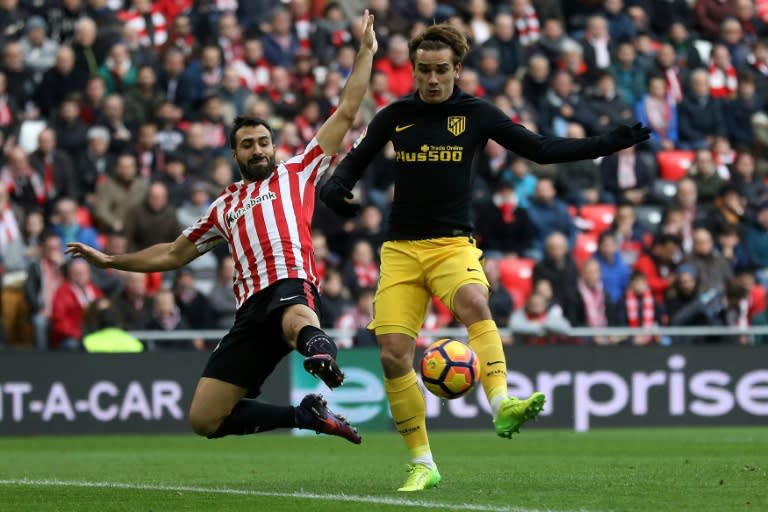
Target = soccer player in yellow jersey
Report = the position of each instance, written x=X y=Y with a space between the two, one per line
x=436 y=131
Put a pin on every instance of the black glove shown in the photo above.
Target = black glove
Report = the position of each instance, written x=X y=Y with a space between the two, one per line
x=334 y=194
x=624 y=136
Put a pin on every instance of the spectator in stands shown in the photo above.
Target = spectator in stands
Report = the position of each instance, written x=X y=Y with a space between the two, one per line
x=504 y=227
x=397 y=66
x=628 y=175
x=572 y=60
x=558 y=267
x=614 y=272
x=92 y=104
x=166 y=316
x=232 y=94
x=505 y=42
x=752 y=26
x=143 y=99
x=9 y=109
x=596 y=310
x=356 y=320
x=331 y=32
x=335 y=298
x=150 y=157
x=536 y=325
x=152 y=221
x=172 y=81
x=361 y=269
x=195 y=205
x=43 y=278
x=94 y=164
x=169 y=136
x=757 y=67
x=68 y=306
x=221 y=298
x=757 y=243
x=489 y=74
x=20 y=80
x=699 y=114
x=15 y=310
x=21 y=180
x=280 y=45
x=711 y=267
x=657 y=265
x=62 y=18
x=744 y=178
x=551 y=41
x=548 y=215
x=139 y=54
x=112 y=117
x=687 y=200
x=499 y=299
x=89 y=50
x=608 y=107
x=71 y=132
x=580 y=182
x=729 y=243
x=181 y=38
x=562 y=105
x=620 y=26
x=32 y=231
x=54 y=167
x=132 y=305
x=176 y=180
x=196 y=150
x=738 y=112
x=59 y=82
x=688 y=303
x=65 y=223
x=710 y=13
x=686 y=54
x=202 y=78
x=118 y=194
x=536 y=80
x=723 y=80
x=657 y=111
x=627 y=73
x=520 y=109
x=704 y=175
x=729 y=210
x=147 y=19
x=597 y=45
x=194 y=306
x=118 y=71
x=641 y=308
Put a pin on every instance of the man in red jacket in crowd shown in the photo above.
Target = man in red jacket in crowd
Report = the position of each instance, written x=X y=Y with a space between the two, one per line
x=658 y=264
x=70 y=301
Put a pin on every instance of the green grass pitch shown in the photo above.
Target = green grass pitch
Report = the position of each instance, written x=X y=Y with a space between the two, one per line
x=704 y=469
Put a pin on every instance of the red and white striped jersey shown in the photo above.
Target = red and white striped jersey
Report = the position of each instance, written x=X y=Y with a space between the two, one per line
x=267 y=224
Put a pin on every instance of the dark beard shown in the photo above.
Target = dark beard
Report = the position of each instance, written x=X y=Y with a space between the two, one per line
x=256 y=173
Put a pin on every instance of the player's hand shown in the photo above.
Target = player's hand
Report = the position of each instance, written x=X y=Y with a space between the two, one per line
x=88 y=253
x=368 y=39
x=334 y=193
x=624 y=136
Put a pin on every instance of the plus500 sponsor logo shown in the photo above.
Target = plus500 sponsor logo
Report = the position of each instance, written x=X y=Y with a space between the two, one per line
x=104 y=401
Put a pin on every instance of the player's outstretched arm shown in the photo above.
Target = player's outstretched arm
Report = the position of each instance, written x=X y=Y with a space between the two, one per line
x=156 y=258
x=335 y=128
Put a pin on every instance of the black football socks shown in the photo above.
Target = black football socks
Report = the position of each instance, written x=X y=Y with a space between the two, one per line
x=253 y=417
x=312 y=341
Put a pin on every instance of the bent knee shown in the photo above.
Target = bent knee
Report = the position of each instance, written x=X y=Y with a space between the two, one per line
x=203 y=424
x=396 y=358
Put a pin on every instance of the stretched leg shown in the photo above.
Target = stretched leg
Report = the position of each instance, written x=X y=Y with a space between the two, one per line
x=301 y=329
x=471 y=306
x=219 y=409
x=409 y=410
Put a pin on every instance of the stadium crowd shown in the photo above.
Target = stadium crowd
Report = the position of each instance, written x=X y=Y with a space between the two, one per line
x=114 y=122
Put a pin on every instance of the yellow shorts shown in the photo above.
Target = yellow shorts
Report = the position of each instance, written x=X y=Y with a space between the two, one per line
x=412 y=271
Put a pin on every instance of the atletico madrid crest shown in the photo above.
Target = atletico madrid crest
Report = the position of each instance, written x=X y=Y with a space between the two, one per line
x=457 y=125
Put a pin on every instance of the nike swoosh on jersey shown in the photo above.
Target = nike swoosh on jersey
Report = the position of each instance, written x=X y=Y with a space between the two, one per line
x=491 y=363
x=283 y=299
x=399 y=128
x=401 y=422
x=473 y=269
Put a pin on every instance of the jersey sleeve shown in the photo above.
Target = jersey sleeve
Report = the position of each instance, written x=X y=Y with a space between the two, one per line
x=205 y=232
x=365 y=149
x=312 y=164
x=544 y=150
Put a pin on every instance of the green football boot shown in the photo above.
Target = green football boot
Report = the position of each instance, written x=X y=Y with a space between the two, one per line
x=420 y=477
x=513 y=412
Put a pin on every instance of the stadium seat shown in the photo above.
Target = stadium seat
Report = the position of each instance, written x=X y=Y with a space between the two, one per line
x=517 y=278
x=649 y=216
x=600 y=216
x=674 y=164
x=585 y=247
x=84 y=217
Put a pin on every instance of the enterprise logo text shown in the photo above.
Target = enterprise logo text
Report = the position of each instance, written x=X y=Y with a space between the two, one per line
x=428 y=153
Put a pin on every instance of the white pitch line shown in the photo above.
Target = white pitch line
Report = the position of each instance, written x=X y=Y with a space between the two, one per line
x=349 y=498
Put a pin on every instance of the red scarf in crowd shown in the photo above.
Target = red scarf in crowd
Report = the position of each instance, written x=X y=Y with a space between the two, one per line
x=527 y=26
x=594 y=304
x=367 y=274
x=722 y=82
x=648 y=312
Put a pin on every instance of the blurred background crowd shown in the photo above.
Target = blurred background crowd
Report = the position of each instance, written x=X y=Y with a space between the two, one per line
x=114 y=117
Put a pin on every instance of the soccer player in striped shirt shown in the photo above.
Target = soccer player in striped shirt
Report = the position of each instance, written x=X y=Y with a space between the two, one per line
x=265 y=218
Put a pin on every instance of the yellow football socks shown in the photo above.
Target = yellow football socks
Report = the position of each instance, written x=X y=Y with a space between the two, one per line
x=409 y=412
x=484 y=339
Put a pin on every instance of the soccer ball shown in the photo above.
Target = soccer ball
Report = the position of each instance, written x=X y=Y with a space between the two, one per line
x=449 y=368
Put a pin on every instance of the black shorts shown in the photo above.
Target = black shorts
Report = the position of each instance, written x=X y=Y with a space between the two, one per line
x=249 y=352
